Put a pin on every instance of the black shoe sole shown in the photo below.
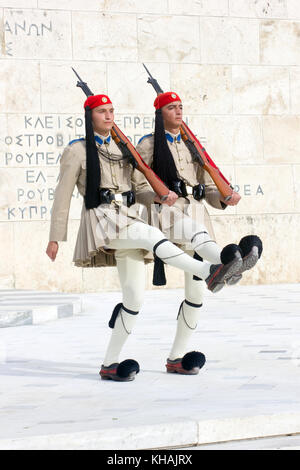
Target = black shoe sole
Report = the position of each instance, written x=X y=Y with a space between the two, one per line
x=249 y=262
x=216 y=281
x=116 y=378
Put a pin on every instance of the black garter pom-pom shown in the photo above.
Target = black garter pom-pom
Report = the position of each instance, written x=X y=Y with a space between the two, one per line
x=159 y=276
x=125 y=368
x=248 y=242
x=228 y=253
x=193 y=359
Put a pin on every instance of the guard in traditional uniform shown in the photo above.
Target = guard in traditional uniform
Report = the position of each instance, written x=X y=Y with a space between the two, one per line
x=114 y=230
x=186 y=222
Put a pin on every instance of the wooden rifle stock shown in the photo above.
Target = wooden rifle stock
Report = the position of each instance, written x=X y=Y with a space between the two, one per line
x=204 y=160
x=198 y=151
x=157 y=185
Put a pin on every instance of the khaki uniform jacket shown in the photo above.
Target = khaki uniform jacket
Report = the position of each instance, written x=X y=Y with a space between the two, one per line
x=191 y=173
x=115 y=175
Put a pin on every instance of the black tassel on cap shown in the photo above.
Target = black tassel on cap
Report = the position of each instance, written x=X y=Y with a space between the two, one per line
x=163 y=162
x=93 y=176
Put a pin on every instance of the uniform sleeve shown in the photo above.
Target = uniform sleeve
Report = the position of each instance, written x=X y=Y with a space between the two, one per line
x=144 y=192
x=68 y=175
x=212 y=194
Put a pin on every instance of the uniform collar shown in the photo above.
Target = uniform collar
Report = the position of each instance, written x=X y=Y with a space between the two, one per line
x=100 y=139
x=172 y=137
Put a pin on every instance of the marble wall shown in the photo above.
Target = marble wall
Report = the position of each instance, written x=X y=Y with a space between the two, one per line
x=236 y=66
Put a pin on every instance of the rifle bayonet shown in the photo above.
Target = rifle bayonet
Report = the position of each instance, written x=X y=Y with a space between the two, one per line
x=153 y=82
x=83 y=85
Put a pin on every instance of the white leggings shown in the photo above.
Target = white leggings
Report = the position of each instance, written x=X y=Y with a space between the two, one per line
x=143 y=236
x=188 y=230
x=132 y=275
x=131 y=269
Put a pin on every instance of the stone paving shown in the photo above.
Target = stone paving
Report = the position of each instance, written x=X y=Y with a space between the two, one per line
x=52 y=397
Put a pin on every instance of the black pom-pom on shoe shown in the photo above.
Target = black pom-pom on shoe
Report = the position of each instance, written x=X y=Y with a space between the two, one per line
x=251 y=248
x=190 y=364
x=127 y=368
x=193 y=359
x=229 y=253
x=248 y=242
x=124 y=371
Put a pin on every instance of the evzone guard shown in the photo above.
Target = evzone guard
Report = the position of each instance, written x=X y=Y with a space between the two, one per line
x=113 y=228
x=172 y=153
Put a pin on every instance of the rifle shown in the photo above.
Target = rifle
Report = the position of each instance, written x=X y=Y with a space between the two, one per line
x=198 y=151
x=129 y=150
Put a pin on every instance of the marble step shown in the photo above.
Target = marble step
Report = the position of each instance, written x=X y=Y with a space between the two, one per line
x=168 y=435
x=26 y=307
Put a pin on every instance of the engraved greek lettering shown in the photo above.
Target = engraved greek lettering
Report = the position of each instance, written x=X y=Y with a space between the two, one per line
x=20 y=193
x=136 y=121
x=8 y=140
x=22 y=27
x=8 y=157
x=259 y=190
x=10 y=213
x=33 y=26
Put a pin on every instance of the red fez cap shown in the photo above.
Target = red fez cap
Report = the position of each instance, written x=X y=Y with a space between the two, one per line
x=96 y=100
x=165 y=98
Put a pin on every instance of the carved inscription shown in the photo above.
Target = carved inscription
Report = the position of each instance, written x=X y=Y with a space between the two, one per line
x=24 y=28
x=32 y=155
x=30 y=159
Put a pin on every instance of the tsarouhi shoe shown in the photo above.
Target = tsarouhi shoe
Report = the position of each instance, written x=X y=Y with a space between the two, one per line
x=251 y=249
x=189 y=364
x=124 y=371
x=219 y=273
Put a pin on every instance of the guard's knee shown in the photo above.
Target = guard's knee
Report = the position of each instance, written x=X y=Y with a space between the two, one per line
x=140 y=230
x=200 y=238
x=189 y=312
x=133 y=298
x=154 y=234
x=133 y=291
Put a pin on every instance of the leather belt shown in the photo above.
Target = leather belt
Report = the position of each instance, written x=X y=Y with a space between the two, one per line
x=184 y=190
x=107 y=197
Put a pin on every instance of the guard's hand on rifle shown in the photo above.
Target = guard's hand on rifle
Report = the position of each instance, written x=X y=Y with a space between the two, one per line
x=169 y=200
x=235 y=197
x=52 y=250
